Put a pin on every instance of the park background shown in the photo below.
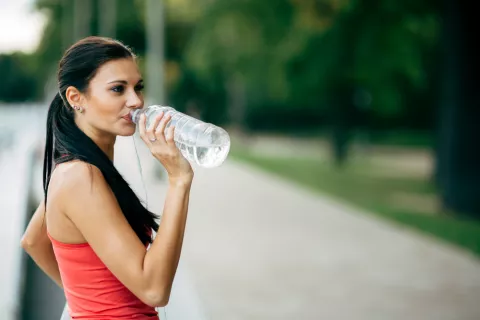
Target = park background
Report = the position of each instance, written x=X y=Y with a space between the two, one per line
x=337 y=109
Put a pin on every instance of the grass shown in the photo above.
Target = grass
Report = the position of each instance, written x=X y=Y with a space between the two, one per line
x=362 y=185
x=398 y=138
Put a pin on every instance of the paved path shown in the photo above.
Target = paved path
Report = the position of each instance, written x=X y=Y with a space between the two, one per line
x=259 y=247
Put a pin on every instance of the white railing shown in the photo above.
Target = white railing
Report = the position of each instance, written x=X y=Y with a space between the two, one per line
x=17 y=151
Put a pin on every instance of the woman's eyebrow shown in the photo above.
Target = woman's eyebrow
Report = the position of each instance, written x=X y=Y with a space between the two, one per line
x=124 y=81
x=120 y=81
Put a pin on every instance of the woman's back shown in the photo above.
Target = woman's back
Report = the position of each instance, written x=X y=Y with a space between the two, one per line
x=92 y=291
x=59 y=225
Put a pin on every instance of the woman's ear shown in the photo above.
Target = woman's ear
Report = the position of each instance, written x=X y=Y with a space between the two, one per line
x=74 y=97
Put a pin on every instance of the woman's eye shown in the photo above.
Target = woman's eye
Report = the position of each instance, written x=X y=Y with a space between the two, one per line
x=118 y=89
x=139 y=87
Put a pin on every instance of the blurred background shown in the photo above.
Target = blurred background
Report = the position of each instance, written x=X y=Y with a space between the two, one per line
x=351 y=190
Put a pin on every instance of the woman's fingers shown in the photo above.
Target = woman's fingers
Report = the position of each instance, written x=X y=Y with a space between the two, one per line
x=159 y=139
x=151 y=132
x=170 y=135
x=141 y=127
x=160 y=129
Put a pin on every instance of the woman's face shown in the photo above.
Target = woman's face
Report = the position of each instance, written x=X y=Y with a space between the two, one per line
x=114 y=91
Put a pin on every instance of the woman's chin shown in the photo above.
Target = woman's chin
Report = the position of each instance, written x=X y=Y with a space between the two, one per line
x=127 y=131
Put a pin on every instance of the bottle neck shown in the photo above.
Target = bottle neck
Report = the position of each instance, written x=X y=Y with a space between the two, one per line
x=135 y=114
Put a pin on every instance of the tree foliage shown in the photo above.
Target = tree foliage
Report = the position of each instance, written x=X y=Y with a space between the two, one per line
x=289 y=54
x=291 y=60
x=17 y=83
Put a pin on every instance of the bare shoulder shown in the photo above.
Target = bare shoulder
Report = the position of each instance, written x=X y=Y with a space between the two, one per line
x=74 y=182
x=77 y=175
x=85 y=197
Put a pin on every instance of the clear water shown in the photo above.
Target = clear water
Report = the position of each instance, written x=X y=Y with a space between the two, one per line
x=207 y=157
x=202 y=143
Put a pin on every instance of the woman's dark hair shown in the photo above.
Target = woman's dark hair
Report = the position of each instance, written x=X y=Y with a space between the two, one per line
x=65 y=141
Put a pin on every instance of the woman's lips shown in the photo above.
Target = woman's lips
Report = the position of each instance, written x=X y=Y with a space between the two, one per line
x=128 y=117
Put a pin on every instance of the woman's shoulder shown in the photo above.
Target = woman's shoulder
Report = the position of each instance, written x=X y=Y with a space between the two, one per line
x=76 y=174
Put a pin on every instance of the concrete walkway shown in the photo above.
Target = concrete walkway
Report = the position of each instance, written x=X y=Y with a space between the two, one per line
x=258 y=247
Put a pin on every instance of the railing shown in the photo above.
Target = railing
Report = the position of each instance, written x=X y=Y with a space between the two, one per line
x=18 y=139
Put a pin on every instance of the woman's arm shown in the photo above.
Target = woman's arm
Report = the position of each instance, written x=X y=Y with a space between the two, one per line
x=36 y=243
x=91 y=205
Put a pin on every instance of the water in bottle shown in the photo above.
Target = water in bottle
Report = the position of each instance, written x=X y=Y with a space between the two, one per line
x=202 y=143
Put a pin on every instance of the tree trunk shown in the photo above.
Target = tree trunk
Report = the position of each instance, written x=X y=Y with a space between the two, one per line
x=155 y=52
x=341 y=120
x=458 y=152
x=236 y=103
x=82 y=19
x=107 y=17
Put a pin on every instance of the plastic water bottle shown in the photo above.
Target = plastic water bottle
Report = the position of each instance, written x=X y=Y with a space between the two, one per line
x=202 y=143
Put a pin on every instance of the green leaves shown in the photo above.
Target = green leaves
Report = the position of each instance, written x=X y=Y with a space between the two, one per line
x=288 y=55
x=292 y=52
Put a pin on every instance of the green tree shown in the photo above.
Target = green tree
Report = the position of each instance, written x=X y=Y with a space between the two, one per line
x=17 y=83
x=58 y=33
x=310 y=57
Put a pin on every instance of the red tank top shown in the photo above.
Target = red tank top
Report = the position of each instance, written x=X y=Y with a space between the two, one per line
x=92 y=291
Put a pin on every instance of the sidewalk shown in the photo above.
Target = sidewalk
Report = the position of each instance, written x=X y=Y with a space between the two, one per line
x=258 y=247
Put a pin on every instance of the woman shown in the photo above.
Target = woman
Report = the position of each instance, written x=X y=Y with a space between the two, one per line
x=91 y=233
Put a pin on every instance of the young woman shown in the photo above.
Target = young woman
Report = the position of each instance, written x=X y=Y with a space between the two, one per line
x=91 y=234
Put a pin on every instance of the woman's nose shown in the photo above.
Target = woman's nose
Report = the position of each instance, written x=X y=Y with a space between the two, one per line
x=135 y=100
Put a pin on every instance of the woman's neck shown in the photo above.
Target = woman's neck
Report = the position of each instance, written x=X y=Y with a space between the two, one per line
x=104 y=141
x=107 y=145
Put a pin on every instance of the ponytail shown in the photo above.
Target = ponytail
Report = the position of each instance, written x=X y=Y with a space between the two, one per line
x=55 y=106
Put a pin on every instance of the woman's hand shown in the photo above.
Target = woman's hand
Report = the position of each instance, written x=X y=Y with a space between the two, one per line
x=163 y=148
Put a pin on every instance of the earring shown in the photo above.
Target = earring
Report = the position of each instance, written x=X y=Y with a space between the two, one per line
x=79 y=109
